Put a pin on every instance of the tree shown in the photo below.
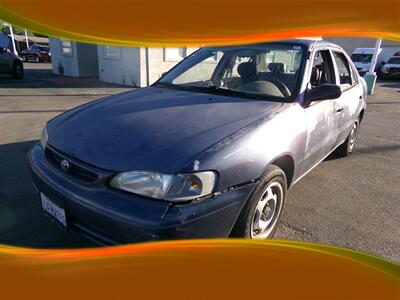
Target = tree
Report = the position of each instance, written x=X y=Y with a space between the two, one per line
x=17 y=30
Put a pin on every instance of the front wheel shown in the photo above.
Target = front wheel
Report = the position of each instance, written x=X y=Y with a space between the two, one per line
x=259 y=218
x=18 y=70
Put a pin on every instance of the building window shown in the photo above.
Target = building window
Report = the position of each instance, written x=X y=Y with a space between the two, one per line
x=174 y=54
x=66 y=48
x=111 y=52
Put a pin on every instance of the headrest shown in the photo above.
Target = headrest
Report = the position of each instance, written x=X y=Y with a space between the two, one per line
x=276 y=67
x=247 y=70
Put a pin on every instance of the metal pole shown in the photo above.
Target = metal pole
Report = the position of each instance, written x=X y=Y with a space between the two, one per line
x=375 y=56
x=26 y=39
x=12 y=39
x=147 y=66
x=370 y=76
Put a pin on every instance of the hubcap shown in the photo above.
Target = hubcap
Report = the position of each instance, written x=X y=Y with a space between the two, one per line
x=266 y=212
x=353 y=136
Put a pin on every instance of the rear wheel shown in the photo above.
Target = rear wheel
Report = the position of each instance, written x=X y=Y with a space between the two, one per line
x=18 y=70
x=348 y=145
x=259 y=218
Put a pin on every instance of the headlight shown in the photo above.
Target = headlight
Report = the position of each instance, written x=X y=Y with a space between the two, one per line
x=174 y=188
x=44 y=138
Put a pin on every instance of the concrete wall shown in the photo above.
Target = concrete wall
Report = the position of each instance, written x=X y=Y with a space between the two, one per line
x=124 y=69
x=130 y=66
x=81 y=63
x=69 y=63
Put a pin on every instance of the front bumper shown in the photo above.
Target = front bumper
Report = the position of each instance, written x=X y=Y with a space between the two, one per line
x=362 y=72
x=390 y=75
x=109 y=216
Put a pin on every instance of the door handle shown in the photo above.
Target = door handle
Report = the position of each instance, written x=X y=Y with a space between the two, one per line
x=339 y=109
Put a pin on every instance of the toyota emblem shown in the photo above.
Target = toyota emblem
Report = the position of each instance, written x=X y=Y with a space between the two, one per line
x=65 y=164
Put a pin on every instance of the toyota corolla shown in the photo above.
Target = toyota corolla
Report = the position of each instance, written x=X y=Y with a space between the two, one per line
x=209 y=150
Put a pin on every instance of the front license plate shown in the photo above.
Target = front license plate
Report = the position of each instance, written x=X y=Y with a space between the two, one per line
x=53 y=210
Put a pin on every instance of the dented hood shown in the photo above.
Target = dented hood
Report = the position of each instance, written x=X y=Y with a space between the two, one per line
x=154 y=129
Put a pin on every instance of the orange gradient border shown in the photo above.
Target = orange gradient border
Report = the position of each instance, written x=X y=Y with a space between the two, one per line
x=203 y=22
x=197 y=269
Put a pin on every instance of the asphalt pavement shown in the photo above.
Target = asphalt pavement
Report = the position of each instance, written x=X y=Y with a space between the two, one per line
x=351 y=202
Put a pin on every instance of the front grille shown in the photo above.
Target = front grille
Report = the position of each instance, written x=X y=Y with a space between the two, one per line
x=76 y=170
x=394 y=70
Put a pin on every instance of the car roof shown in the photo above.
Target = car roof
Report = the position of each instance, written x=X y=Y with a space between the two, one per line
x=309 y=43
x=312 y=43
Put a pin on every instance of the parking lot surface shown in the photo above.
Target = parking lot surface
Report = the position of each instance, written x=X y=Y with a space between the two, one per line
x=350 y=202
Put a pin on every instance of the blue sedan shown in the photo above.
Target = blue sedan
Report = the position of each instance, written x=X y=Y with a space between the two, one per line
x=207 y=151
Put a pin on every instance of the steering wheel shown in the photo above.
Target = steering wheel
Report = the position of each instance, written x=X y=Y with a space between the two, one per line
x=270 y=86
x=281 y=86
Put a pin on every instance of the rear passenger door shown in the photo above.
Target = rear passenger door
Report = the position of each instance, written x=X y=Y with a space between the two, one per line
x=347 y=105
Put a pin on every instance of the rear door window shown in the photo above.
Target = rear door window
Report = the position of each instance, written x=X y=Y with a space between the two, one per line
x=343 y=69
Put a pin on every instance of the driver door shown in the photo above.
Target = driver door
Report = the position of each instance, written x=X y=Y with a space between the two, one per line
x=319 y=115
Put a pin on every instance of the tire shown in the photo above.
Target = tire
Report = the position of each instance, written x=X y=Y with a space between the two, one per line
x=260 y=215
x=348 y=145
x=18 y=70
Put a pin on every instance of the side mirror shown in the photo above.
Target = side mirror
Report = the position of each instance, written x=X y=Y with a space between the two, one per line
x=382 y=63
x=163 y=74
x=326 y=91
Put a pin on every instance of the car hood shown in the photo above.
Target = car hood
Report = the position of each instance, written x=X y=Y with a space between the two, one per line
x=153 y=128
x=362 y=64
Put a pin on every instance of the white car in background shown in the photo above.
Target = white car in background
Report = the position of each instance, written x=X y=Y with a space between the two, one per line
x=391 y=69
x=362 y=58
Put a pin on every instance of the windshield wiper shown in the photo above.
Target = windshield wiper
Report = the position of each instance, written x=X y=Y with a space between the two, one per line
x=213 y=89
x=216 y=90
x=165 y=84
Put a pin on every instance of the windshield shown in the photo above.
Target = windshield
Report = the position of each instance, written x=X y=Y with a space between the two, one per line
x=255 y=71
x=394 y=60
x=363 y=58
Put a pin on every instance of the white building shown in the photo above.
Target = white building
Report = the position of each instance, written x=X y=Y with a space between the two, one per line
x=130 y=66
x=140 y=67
